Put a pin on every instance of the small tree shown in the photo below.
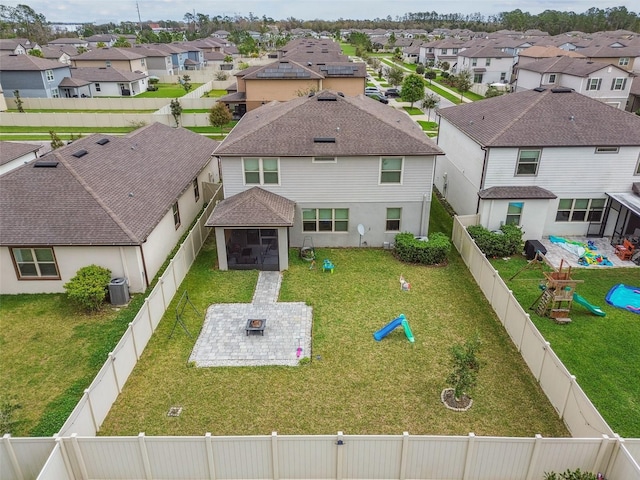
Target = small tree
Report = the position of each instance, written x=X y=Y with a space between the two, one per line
x=430 y=75
x=444 y=66
x=36 y=53
x=221 y=76
x=420 y=69
x=55 y=140
x=412 y=89
x=465 y=365
x=463 y=82
x=492 y=92
x=88 y=288
x=395 y=75
x=186 y=83
x=176 y=111
x=430 y=102
x=219 y=115
x=19 y=105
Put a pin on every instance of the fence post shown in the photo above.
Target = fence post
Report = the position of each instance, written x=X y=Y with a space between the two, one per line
x=524 y=329
x=403 y=456
x=133 y=338
x=572 y=380
x=545 y=348
x=93 y=415
x=274 y=455
x=210 y=462
x=6 y=439
x=340 y=444
x=161 y=283
x=146 y=303
x=599 y=461
x=78 y=454
x=469 y=456
x=65 y=455
x=616 y=451
x=112 y=358
x=534 y=457
x=144 y=456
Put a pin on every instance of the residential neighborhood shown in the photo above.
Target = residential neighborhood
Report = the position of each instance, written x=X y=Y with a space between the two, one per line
x=241 y=247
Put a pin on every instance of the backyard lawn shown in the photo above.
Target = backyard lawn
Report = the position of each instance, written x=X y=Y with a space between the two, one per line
x=602 y=352
x=168 y=90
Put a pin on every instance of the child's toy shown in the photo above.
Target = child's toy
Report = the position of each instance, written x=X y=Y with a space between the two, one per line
x=624 y=296
x=327 y=265
x=401 y=320
x=404 y=285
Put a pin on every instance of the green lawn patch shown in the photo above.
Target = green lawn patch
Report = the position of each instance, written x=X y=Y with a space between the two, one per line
x=168 y=90
x=215 y=93
x=428 y=125
x=602 y=352
x=348 y=49
x=453 y=98
x=413 y=110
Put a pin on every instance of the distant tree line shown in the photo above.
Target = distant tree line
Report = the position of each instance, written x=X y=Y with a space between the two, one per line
x=23 y=21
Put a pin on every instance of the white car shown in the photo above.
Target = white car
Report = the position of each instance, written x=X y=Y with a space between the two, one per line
x=368 y=90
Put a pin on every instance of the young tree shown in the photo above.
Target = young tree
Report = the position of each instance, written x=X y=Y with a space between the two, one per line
x=444 y=66
x=122 y=42
x=219 y=115
x=420 y=69
x=19 y=104
x=55 y=140
x=186 y=83
x=412 y=89
x=463 y=82
x=465 y=367
x=35 y=53
x=176 y=111
x=492 y=92
x=395 y=75
x=430 y=102
x=430 y=75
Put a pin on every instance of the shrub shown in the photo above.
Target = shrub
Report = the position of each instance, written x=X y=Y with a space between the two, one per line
x=88 y=288
x=221 y=76
x=507 y=241
x=465 y=367
x=410 y=249
x=570 y=475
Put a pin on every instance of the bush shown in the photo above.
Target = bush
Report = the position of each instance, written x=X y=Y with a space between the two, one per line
x=410 y=249
x=88 y=288
x=507 y=241
x=569 y=475
x=465 y=367
x=221 y=76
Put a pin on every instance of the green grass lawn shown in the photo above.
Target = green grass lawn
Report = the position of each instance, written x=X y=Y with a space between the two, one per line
x=348 y=49
x=453 y=98
x=602 y=352
x=168 y=90
x=413 y=110
x=428 y=125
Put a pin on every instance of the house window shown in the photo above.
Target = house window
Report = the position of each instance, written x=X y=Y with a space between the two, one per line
x=594 y=83
x=618 y=83
x=474 y=62
x=49 y=74
x=455 y=51
x=477 y=78
x=638 y=166
x=552 y=78
x=503 y=77
x=108 y=63
x=607 y=149
x=393 y=219
x=528 y=161
x=487 y=62
x=97 y=87
x=35 y=263
x=55 y=93
x=324 y=160
x=391 y=170
x=176 y=215
x=261 y=171
x=623 y=61
x=443 y=51
x=580 y=210
x=142 y=62
x=325 y=219
x=514 y=213
x=430 y=50
x=196 y=189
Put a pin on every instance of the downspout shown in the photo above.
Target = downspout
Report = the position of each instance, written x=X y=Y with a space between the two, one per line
x=144 y=267
x=422 y=210
x=482 y=177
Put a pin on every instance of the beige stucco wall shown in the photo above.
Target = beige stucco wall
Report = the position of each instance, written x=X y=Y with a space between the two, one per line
x=124 y=65
x=279 y=90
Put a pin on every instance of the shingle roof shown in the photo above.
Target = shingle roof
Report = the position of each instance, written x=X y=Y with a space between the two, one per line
x=106 y=74
x=115 y=194
x=513 y=192
x=539 y=51
x=359 y=125
x=110 y=54
x=22 y=63
x=11 y=150
x=253 y=208
x=579 y=67
x=551 y=117
x=280 y=70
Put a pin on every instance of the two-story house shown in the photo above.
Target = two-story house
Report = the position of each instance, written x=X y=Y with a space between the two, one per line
x=32 y=76
x=551 y=160
x=340 y=171
x=487 y=64
x=607 y=83
x=158 y=62
x=124 y=59
x=122 y=202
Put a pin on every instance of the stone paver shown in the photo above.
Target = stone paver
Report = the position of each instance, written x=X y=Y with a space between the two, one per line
x=223 y=341
x=555 y=253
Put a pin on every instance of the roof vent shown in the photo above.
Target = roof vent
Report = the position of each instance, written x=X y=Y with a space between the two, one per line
x=341 y=94
x=324 y=140
x=562 y=90
x=46 y=164
x=327 y=98
x=539 y=89
x=80 y=153
x=103 y=141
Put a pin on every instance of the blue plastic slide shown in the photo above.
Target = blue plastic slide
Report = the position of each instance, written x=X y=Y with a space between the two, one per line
x=592 y=308
x=393 y=324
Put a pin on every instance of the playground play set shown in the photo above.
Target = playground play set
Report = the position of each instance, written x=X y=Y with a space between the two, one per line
x=400 y=320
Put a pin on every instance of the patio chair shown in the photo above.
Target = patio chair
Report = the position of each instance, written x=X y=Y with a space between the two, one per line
x=624 y=251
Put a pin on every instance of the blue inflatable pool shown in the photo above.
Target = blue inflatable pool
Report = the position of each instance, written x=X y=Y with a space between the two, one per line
x=624 y=296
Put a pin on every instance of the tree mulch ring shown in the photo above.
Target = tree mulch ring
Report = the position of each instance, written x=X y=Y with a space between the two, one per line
x=448 y=398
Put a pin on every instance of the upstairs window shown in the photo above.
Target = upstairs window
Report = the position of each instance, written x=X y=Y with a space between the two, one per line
x=487 y=62
x=528 y=161
x=623 y=61
x=618 y=83
x=552 y=78
x=176 y=215
x=49 y=74
x=108 y=63
x=443 y=51
x=261 y=171
x=196 y=189
x=474 y=62
x=391 y=170
x=594 y=83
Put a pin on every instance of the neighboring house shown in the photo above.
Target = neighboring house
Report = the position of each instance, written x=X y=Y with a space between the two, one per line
x=179 y=55
x=101 y=39
x=551 y=160
x=487 y=65
x=69 y=42
x=33 y=77
x=18 y=46
x=124 y=59
x=623 y=53
x=607 y=83
x=107 y=82
x=439 y=51
x=122 y=202
x=15 y=154
x=328 y=163
x=158 y=61
x=59 y=54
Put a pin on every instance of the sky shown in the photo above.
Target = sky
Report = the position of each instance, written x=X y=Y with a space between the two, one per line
x=116 y=11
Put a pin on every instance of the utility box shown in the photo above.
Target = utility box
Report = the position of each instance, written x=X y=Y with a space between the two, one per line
x=119 y=291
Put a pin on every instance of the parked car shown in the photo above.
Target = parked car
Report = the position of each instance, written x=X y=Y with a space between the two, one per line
x=392 y=92
x=378 y=96
x=368 y=90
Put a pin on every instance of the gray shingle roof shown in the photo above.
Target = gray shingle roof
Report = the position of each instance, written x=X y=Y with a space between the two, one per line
x=105 y=74
x=22 y=63
x=110 y=54
x=579 y=67
x=552 y=117
x=115 y=194
x=359 y=125
x=253 y=208
x=515 y=192
x=11 y=150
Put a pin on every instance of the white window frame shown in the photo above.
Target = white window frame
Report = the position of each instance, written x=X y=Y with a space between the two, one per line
x=261 y=171
x=50 y=76
x=638 y=166
x=618 y=83
x=519 y=162
x=588 y=210
x=514 y=216
x=97 y=85
x=607 y=149
x=399 y=219
x=176 y=215
x=503 y=76
x=320 y=224
x=474 y=62
x=55 y=93
x=107 y=63
x=196 y=189
x=324 y=160
x=401 y=171
x=37 y=264
x=487 y=62
x=623 y=61
x=443 y=51
x=552 y=78
x=594 y=83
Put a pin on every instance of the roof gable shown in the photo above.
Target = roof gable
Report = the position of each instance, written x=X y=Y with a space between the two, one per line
x=252 y=208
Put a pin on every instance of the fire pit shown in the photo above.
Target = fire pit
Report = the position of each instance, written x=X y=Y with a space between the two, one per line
x=256 y=325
